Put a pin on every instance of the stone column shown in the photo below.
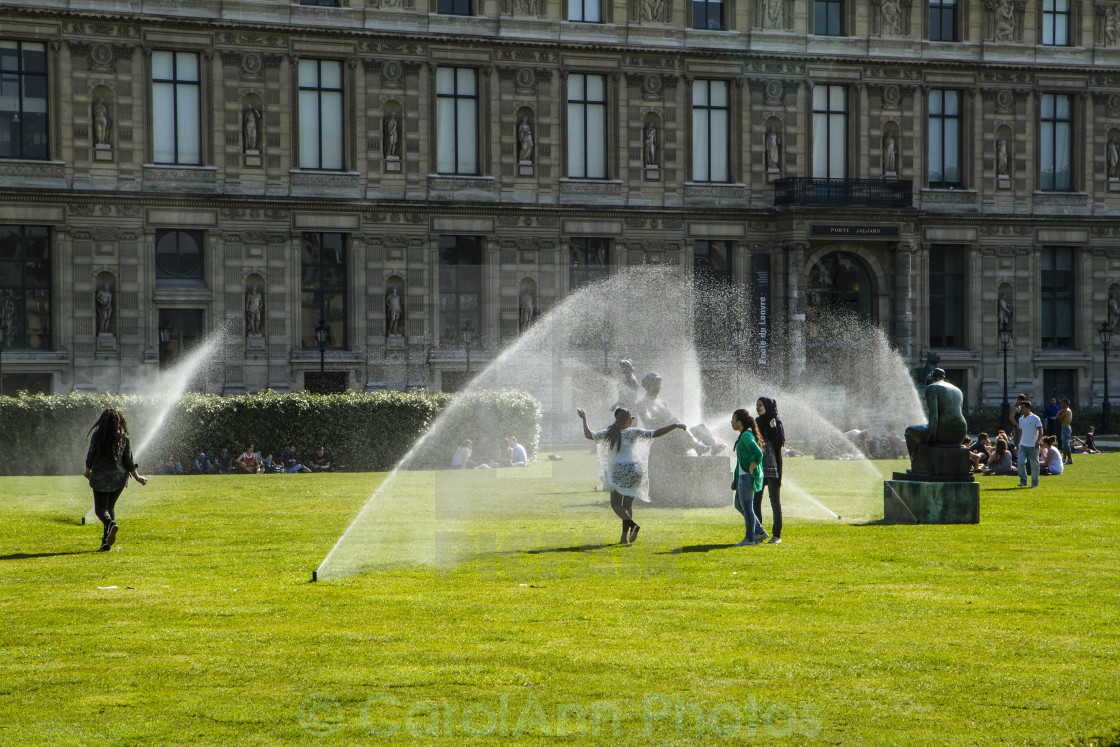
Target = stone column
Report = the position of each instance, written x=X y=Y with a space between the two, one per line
x=795 y=307
x=903 y=315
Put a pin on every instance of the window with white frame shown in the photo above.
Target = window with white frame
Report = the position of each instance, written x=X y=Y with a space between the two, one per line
x=830 y=132
x=828 y=17
x=23 y=100
x=944 y=138
x=176 y=108
x=585 y=11
x=1055 y=22
x=587 y=126
x=710 y=113
x=320 y=115
x=1056 y=146
x=457 y=120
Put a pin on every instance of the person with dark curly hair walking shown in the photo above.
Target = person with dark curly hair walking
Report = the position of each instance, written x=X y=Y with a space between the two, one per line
x=109 y=464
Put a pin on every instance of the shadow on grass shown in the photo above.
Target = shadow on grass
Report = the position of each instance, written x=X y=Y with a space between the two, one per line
x=27 y=555
x=573 y=548
x=697 y=548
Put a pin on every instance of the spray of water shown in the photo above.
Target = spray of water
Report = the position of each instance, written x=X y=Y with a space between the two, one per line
x=568 y=359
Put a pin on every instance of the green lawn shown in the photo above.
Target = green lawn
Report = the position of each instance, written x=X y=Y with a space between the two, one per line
x=850 y=632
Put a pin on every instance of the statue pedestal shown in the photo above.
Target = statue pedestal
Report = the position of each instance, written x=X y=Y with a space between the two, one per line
x=773 y=174
x=253 y=158
x=106 y=341
x=394 y=342
x=103 y=152
x=912 y=501
x=255 y=343
x=393 y=163
x=1003 y=182
x=679 y=481
x=1114 y=185
x=651 y=173
x=525 y=168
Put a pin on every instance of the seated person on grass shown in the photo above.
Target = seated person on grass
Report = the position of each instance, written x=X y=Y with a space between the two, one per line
x=518 y=456
x=321 y=462
x=250 y=462
x=462 y=457
x=982 y=448
x=1000 y=461
x=223 y=461
x=290 y=462
x=170 y=465
x=1049 y=457
x=201 y=465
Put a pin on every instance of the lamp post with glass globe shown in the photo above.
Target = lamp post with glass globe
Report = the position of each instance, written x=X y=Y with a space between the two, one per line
x=322 y=336
x=1004 y=343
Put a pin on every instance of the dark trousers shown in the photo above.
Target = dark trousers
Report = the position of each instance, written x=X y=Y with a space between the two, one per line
x=774 y=484
x=104 y=505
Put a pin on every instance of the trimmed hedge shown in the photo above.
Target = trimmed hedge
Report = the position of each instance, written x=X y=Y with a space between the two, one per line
x=984 y=419
x=47 y=434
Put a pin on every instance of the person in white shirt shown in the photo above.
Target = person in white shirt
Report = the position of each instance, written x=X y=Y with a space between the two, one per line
x=1030 y=436
x=1050 y=457
x=518 y=456
x=462 y=457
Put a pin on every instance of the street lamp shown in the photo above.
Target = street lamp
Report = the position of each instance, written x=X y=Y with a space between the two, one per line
x=1105 y=333
x=468 y=337
x=165 y=330
x=1004 y=342
x=322 y=334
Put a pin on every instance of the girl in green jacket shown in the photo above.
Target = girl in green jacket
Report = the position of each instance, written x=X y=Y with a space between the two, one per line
x=748 y=475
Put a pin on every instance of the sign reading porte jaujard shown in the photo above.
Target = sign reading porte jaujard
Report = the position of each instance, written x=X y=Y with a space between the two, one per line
x=822 y=230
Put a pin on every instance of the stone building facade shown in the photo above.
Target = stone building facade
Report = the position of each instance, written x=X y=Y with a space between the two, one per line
x=426 y=176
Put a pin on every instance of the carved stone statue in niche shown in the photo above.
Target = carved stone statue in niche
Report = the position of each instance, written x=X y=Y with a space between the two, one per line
x=649 y=147
x=1004 y=25
x=526 y=309
x=1006 y=309
x=890 y=154
x=254 y=308
x=525 y=141
x=658 y=11
x=392 y=136
x=394 y=312
x=892 y=17
x=1113 y=159
x=773 y=150
x=101 y=123
x=251 y=132
x=774 y=14
x=104 y=309
x=1113 y=309
x=1001 y=157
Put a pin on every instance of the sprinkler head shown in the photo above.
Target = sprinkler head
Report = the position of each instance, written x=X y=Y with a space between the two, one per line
x=839 y=517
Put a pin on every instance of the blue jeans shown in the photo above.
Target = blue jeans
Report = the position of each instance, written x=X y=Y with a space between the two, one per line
x=1067 y=435
x=1028 y=453
x=744 y=504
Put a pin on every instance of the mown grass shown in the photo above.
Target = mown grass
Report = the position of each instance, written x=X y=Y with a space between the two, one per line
x=850 y=632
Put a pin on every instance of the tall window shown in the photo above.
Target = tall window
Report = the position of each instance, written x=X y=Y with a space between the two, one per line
x=944 y=138
x=460 y=288
x=1055 y=22
x=23 y=100
x=457 y=120
x=176 y=108
x=590 y=260
x=830 y=132
x=587 y=126
x=454 y=7
x=828 y=17
x=1057 y=297
x=179 y=259
x=707 y=14
x=709 y=131
x=320 y=114
x=25 y=287
x=1056 y=148
x=943 y=20
x=323 y=287
x=587 y=11
x=946 y=296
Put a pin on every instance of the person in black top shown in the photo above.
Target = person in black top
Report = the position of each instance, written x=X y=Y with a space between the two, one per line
x=109 y=464
x=774 y=438
x=223 y=460
x=321 y=462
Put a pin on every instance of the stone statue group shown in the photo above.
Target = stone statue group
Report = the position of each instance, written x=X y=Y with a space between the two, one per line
x=655 y=413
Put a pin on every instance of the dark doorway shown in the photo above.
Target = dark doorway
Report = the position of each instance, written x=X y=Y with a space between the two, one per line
x=333 y=382
x=184 y=328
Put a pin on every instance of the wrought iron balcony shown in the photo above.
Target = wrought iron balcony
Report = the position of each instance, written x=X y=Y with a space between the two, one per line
x=871 y=193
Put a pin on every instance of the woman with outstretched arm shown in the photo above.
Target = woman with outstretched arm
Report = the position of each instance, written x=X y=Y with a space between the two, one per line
x=624 y=464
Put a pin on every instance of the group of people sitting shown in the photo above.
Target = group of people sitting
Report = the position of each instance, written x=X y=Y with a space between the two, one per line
x=250 y=462
x=509 y=454
x=1002 y=459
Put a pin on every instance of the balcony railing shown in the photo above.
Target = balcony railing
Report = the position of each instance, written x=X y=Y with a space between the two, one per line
x=872 y=193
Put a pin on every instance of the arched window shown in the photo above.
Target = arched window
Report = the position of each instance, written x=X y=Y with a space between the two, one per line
x=179 y=258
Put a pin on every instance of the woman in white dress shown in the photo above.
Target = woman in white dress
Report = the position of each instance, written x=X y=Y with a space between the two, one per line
x=624 y=464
